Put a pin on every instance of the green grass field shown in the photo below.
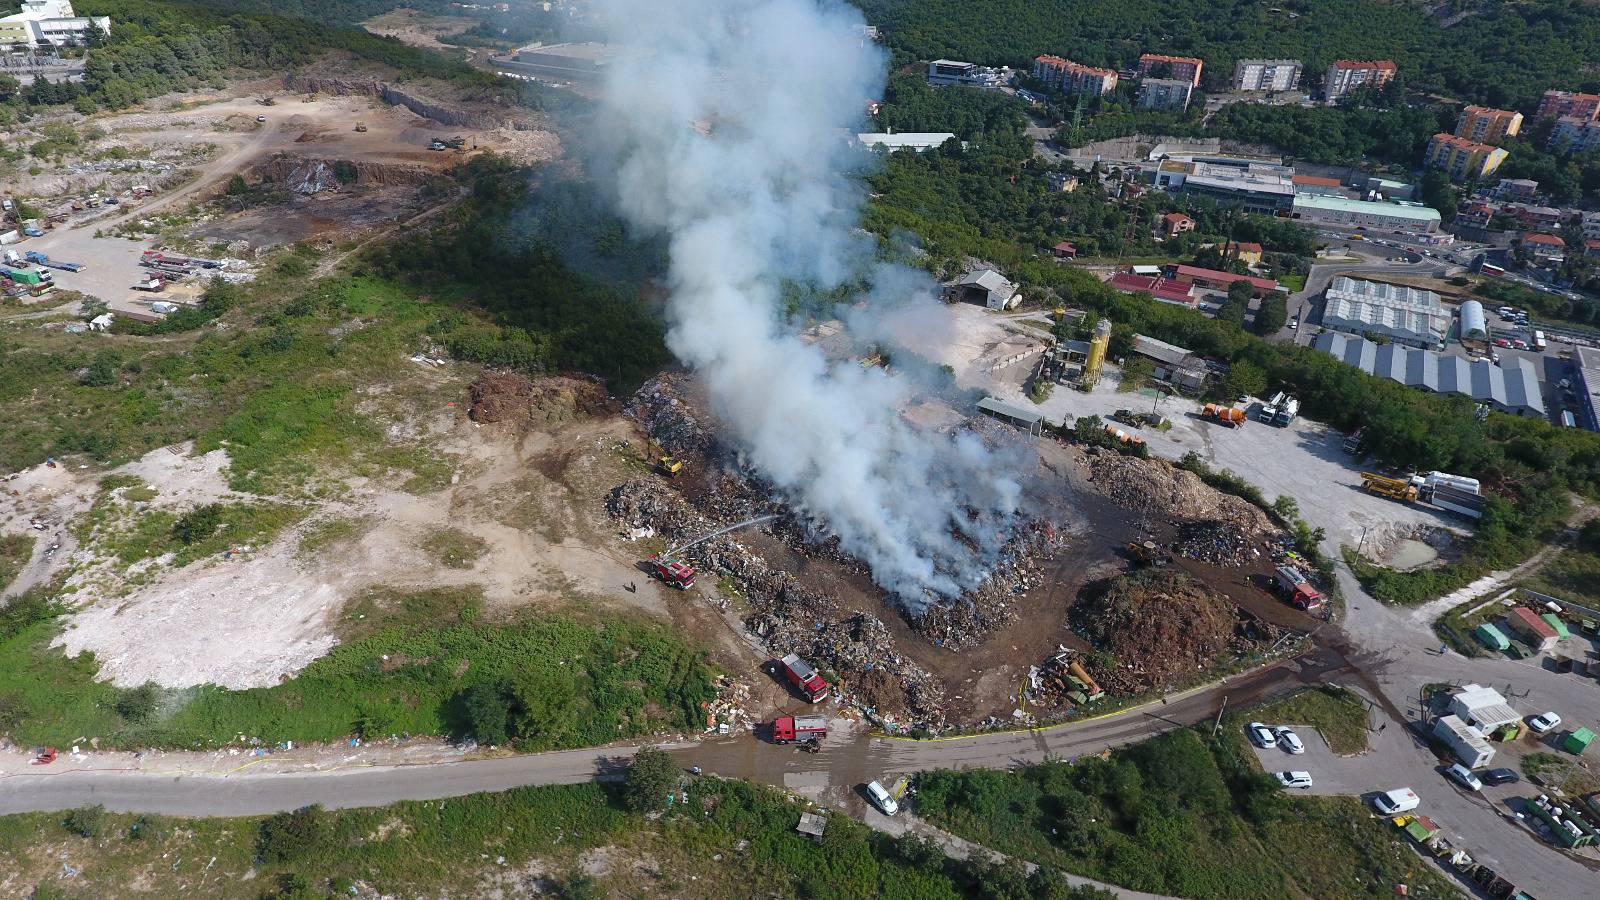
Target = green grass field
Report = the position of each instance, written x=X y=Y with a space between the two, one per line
x=731 y=840
x=407 y=660
x=15 y=551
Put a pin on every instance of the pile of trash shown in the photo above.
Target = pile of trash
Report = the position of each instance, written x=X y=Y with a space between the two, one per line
x=1219 y=543
x=1169 y=492
x=664 y=409
x=1061 y=683
x=1162 y=627
x=964 y=622
x=727 y=712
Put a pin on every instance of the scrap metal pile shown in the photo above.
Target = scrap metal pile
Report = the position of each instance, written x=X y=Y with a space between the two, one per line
x=1062 y=682
x=1164 y=628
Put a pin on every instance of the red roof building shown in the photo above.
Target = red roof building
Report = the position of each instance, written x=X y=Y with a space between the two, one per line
x=1215 y=279
x=1065 y=250
x=1160 y=288
x=1591 y=247
x=1534 y=631
x=1177 y=223
x=1186 y=68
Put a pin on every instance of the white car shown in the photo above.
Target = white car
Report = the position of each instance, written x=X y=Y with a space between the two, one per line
x=1301 y=780
x=1544 y=722
x=1397 y=801
x=882 y=799
x=1290 y=741
x=1463 y=776
x=1261 y=735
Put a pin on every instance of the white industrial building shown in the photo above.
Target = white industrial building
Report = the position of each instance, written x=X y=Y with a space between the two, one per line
x=907 y=140
x=1511 y=387
x=1402 y=217
x=1474 y=326
x=49 y=23
x=1402 y=314
x=1482 y=708
x=1468 y=745
x=988 y=287
x=944 y=72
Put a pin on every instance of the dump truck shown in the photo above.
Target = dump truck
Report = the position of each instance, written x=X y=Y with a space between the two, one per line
x=1297 y=589
x=1393 y=488
x=803 y=677
x=799 y=728
x=1227 y=415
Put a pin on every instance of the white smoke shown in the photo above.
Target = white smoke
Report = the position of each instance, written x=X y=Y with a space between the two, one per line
x=725 y=128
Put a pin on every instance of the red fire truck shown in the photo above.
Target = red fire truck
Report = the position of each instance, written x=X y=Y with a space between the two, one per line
x=799 y=728
x=1299 y=591
x=803 y=677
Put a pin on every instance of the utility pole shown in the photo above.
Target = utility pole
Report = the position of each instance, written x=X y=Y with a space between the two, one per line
x=1216 y=726
x=1363 y=542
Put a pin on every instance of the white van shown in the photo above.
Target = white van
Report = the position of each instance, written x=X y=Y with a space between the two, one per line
x=1392 y=803
x=882 y=799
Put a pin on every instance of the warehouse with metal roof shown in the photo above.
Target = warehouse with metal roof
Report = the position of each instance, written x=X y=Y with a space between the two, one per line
x=1512 y=387
x=1407 y=217
x=1405 y=315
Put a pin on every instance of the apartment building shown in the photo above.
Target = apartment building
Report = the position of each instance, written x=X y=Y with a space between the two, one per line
x=1186 y=68
x=945 y=72
x=1574 y=134
x=1461 y=159
x=1556 y=104
x=1164 y=93
x=1266 y=74
x=1487 y=125
x=1346 y=75
x=1073 y=78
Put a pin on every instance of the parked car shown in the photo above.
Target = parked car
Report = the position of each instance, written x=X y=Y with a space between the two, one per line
x=1290 y=741
x=1463 y=776
x=1501 y=342
x=882 y=799
x=1544 y=722
x=1301 y=780
x=1261 y=735
x=1499 y=776
x=1520 y=344
x=1397 y=801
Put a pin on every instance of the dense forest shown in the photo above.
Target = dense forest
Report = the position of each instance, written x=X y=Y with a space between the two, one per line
x=1486 y=56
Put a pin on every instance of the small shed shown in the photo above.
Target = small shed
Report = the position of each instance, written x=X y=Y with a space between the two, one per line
x=1578 y=741
x=812 y=825
x=1065 y=250
x=1491 y=636
x=1027 y=420
x=1535 y=631
x=1560 y=627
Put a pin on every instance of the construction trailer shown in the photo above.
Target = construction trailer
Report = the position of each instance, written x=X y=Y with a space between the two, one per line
x=1466 y=743
x=1534 y=631
x=1483 y=708
x=1492 y=637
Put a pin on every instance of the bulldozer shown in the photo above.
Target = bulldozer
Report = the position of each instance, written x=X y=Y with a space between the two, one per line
x=361 y=126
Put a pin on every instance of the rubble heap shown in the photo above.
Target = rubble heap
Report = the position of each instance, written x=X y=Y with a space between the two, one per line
x=1162 y=627
x=512 y=397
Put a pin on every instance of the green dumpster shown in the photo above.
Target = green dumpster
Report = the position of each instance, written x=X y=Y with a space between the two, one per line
x=1561 y=627
x=1578 y=741
x=1491 y=637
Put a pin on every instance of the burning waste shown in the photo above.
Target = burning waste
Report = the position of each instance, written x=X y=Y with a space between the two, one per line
x=724 y=131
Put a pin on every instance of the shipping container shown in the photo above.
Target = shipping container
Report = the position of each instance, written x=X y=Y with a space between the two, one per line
x=1560 y=627
x=1491 y=636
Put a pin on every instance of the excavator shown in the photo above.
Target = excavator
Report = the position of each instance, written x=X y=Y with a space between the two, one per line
x=680 y=574
x=1148 y=553
x=657 y=458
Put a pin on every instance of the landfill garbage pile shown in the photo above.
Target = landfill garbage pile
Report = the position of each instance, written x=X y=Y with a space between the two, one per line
x=1220 y=543
x=511 y=397
x=788 y=616
x=964 y=622
x=1163 y=628
x=1170 y=492
x=664 y=408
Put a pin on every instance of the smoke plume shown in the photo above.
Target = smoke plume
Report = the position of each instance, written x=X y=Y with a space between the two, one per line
x=725 y=128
